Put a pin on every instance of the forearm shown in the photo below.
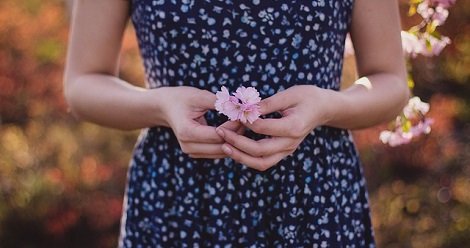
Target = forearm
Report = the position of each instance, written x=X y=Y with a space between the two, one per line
x=369 y=101
x=108 y=101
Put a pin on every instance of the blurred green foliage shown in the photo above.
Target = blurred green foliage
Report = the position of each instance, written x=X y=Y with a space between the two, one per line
x=62 y=181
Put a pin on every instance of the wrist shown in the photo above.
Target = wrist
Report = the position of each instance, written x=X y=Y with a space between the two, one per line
x=154 y=109
x=335 y=104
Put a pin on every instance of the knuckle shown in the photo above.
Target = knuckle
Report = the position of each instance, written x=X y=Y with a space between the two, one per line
x=236 y=143
x=184 y=134
x=296 y=130
x=185 y=148
x=264 y=166
x=195 y=97
x=264 y=105
x=258 y=152
x=292 y=147
x=229 y=138
x=236 y=157
x=258 y=128
x=291 y=132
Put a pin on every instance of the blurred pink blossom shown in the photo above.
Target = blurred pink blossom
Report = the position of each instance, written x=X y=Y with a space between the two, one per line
x=411 y=44
x=435 y=45
x=426 y=45
x=404 y=130
x=421 y=39
x=443 y=3
x=399 y=137
x=437 y=14
x=425 y=10
x=415 y=108
x=243 y=105
x=440 y=15
x=395 y=138
x=423 y=127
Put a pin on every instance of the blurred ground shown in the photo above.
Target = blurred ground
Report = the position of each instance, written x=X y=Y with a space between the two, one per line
x=62 y=181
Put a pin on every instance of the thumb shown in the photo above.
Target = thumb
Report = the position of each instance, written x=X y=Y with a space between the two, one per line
x=232 y=125
x=205 y=99
x=202 y=120
x=274 y=103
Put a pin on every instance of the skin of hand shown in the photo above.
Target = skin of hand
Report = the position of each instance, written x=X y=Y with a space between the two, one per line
x=379 y=94
x=95 y=93
x=186 y=118
x=301 y=110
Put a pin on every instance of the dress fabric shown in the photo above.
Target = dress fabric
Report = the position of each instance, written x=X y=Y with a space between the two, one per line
x=315 y=198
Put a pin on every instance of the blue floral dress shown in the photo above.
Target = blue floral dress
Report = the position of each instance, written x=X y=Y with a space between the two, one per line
x=315 y=198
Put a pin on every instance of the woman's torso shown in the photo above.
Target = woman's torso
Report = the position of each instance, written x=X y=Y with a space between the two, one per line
x=317 y=196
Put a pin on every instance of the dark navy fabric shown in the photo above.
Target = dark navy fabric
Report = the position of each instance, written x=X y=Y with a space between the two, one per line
x=315 y=198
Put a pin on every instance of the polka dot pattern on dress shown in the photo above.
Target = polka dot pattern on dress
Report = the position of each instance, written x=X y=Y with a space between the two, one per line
x=315 y=198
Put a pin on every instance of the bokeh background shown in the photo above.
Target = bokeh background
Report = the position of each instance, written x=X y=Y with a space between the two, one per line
x=62 y=181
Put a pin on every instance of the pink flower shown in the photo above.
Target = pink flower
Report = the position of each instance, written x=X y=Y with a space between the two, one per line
x=426 y=44
x=395 y=138
x=247 y=95
x=423 y=127
x=243 y=105
x=223 y=96
x=425 y=10
x=248 y=112
x=435 y=45
x=227 y=104
x=415 y=106
x=440 y=15
x=411 y=44
x=405 y=130
x=399 y=137
x=437 y=13
x=443 y=3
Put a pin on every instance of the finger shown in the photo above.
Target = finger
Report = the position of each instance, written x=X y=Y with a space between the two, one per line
x=209 y=156
x=258 y=163
x=201 y=148
x=285 y=126
x=205 y=100
x=241 y=130
x=263 y=147
x=232 y=125
x=274 y=103
x=202 y=120
x=236 y=126
x=197 y=133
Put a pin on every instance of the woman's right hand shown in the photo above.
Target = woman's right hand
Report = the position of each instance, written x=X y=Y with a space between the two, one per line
x=183 y=108
x=95 y=93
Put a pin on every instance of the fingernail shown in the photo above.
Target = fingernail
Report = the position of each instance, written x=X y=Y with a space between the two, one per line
x=220 y=132
x=226 y=149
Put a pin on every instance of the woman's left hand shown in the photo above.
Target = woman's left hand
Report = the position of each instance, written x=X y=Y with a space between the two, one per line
x=303 y=108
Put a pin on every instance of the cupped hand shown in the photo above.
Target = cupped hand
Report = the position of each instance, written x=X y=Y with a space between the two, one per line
x=183 y=110
x=302 y=107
